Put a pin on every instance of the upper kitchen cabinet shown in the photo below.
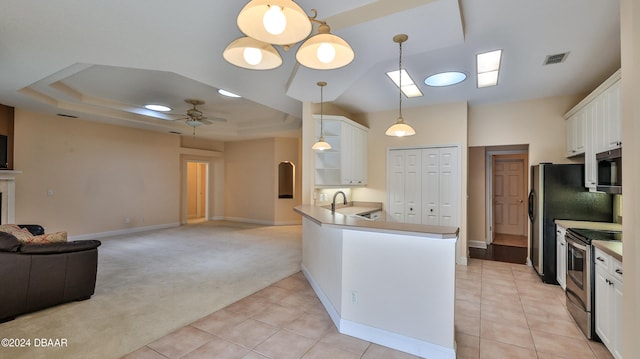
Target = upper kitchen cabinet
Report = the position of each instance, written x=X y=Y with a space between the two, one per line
x=345 y=164
x=594 y=126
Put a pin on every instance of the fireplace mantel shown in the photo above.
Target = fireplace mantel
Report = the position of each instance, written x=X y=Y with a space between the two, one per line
x=8 y=190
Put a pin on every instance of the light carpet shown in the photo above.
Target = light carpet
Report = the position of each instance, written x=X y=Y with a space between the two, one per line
x=153 y=282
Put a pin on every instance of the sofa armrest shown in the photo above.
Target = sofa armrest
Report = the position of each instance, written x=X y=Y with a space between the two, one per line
x=64 y=247
x=35 y=229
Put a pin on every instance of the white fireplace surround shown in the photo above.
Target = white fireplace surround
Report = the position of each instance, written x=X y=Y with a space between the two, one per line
x=8 y=190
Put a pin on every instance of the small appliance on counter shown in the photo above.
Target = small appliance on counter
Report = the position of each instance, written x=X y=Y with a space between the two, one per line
x=557 y=192
x=581 y=275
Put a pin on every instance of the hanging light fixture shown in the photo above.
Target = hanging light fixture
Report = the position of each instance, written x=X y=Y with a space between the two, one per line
x=321 y=145
x=284 y=23
x=400 y=128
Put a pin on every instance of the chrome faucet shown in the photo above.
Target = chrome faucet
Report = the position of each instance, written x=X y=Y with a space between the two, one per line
x=333 y=204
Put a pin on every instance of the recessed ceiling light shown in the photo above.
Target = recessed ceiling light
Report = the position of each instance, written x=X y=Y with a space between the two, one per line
x=228 y=94
x=445 y=78
x=160 y=108
x=409 y=87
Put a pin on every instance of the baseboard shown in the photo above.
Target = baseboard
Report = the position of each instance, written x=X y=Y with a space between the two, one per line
x=462 y=261
x=121 y=231
x=262 y=222
x=216 y=218
x=379 y=336
x=477 y=244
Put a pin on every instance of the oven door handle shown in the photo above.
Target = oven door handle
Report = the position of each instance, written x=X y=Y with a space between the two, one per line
x=575 y=244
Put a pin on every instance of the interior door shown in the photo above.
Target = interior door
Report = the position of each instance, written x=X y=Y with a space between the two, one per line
x=396 y=185
x=431 y=186
x=449 y=188
x=509 y=178
x=413 y=186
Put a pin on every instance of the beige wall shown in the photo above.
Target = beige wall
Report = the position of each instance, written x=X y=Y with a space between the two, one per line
x=538 y=123
x=476 y=188
x=98 y=174
x=6 y=128
x=630 y=23
x=251 y=188
x=287 y=149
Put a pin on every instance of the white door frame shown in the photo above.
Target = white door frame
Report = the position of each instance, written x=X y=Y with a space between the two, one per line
x=489 y=189
x=185 y=214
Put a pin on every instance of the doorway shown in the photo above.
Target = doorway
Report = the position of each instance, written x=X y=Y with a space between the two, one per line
x=509 y=178
x=197 y=191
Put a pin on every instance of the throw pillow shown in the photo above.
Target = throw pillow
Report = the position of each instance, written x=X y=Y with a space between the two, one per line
x=55 y=237
x=22 y=234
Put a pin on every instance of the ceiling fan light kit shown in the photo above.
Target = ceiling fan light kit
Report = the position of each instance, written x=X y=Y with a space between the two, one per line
x=284 y=23
x=400 y=128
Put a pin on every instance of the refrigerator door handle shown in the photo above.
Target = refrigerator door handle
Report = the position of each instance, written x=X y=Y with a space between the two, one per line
x=532 y=198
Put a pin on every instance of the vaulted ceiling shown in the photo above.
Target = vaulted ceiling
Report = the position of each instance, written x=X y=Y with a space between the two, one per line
x=102 y=61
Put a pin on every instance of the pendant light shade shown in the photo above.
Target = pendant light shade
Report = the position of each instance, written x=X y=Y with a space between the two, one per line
x=252 y=54
x=321 y=144
x=400 y=128
x=324 y=51
x=279 y=22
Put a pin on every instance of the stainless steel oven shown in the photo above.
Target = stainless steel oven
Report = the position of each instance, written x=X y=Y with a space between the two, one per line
x=610 y=171
x=580 y=277
x=579 y=282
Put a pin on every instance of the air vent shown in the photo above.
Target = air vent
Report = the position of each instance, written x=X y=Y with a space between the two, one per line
x=555 y=59
x=175 y=132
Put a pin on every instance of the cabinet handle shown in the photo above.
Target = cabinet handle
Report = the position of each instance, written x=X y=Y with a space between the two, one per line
x=562 y=244
x=600 y=259
x=606 y=280
x=619 y=271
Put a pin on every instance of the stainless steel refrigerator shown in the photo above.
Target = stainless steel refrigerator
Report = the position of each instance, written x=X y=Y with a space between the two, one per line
x=558 y=192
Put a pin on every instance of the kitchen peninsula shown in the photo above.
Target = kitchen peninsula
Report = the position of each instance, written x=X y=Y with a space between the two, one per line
x=389 y=283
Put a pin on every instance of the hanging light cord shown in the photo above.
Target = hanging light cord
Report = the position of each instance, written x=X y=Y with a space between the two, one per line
x=400 y=79
x=321 y=112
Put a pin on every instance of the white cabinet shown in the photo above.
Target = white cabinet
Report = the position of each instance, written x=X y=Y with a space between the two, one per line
x=608 y=301
x=594 y=125
x=345 y=164
x=576 y=134
x=561 y=256
x=423 y=185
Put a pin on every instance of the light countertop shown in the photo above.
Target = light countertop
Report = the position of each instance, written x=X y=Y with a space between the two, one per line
x=612 y=248
x=343 y=218
x=589 y=225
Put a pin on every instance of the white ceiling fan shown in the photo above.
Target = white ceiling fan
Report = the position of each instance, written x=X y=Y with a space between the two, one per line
x=194 y=117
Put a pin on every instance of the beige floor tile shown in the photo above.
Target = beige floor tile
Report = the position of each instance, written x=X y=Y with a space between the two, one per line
x=250 y=305
x=285 y=345
x=254 y=355
x=506 y=333
x=600 y=350
x=470 y=309
x=345 y=342
x=470 y=284
x=312 y=326
x=490 y=349
x=217 y=348
x=273 y=294
x=550 y=325
x=474 y=275
x=180 y=342
x=521 y=268
x=504 y=315
x=325 y=351
x=144 y=353
x=249 y=333
x=468 y=325
x=278 y=316
x=467 y=346
x=490 y=289
x=470 y=295
x=376 y=351
x=293 y=283
x=220 y=321
x=503 y=301
x=563 y=346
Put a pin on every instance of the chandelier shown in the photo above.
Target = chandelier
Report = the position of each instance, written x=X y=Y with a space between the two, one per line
x=283 y=23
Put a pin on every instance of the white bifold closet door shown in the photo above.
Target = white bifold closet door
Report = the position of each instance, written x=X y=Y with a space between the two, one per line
x=424 y=185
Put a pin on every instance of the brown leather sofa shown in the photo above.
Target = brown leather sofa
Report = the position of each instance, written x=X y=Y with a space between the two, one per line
x=38 y=276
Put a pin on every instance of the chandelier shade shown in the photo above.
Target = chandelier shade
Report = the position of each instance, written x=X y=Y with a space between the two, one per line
x=278 y=22
x=325 y=51
x=400 y=129
x=250 y=53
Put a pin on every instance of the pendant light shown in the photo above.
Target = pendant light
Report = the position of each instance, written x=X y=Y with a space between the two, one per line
x=321 y=145
x=400 y=128
x=324 y=51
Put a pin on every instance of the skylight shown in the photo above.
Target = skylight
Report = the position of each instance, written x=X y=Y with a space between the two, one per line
x=445 y=78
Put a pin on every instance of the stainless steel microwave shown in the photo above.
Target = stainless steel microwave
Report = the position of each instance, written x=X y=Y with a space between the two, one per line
x=610 y=171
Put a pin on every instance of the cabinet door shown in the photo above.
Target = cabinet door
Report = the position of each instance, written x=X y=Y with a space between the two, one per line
x=590 y=164
x=395 y=185
x=347 y=174
x=359 y=150
x=413 y=186
x=561 y=257
x=600 y=122
x=448 y=188
x=571 y=128
x=614 y=118
x=431 y=186
x=616 y=319
x=602 y=305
